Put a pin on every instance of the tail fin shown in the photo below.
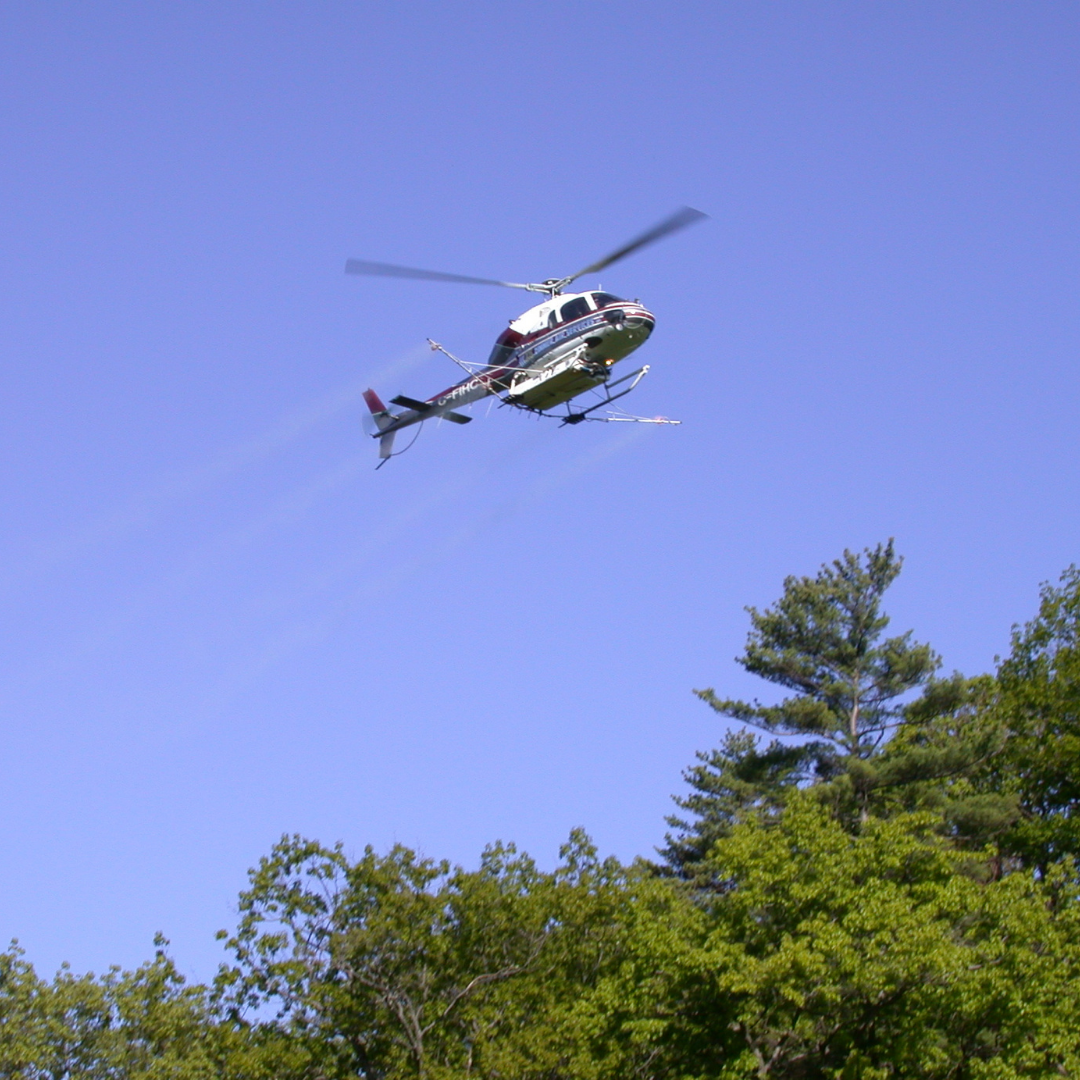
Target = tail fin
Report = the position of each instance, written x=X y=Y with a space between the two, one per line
x=380 y=413
x=382 y=418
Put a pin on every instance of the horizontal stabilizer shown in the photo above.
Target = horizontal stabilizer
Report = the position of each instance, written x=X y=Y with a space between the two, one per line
x=427 y=407
x=412 y=403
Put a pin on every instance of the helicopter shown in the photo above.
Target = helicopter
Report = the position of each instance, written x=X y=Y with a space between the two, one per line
x=548 y=356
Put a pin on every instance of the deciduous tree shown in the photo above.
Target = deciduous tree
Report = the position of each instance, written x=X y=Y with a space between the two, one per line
x=1039 y=685
x=876 y=955
x=398 y=965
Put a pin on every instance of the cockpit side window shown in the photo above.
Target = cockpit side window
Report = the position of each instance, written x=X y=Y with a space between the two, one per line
x=575 y=308
x=603 y=299
x=553 y=318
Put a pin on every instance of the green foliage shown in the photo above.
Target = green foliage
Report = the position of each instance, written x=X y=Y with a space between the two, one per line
x=395 y=965
x=729 y=784
x=136 y=1025
x=951 y=735
x=650 y=1012
x=876 y=955
x=1040 y=705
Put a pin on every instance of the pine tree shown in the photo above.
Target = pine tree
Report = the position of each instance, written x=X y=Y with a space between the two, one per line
x=729 y=784
x=822 y=640
x=939 y=759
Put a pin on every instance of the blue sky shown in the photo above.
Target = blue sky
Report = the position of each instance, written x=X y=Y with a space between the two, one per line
x=220 y=624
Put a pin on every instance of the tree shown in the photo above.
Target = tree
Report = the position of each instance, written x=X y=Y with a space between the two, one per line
x=146 y=1024
x=894 y=895
x=873 y=955
x=728 y=784
x=652 y=1012
x=398 y=965
x=937 y=761
x=1040 y=706
x=821 y=640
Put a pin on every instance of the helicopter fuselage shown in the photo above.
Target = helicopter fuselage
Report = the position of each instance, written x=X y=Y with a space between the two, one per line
x=548 y=355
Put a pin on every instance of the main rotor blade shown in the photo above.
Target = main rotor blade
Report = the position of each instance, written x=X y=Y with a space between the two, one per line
x=377 y=269
x=679 y=220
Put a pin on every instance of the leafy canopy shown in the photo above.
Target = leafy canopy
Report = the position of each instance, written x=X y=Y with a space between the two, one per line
x=1039 y=688
x=877 y=955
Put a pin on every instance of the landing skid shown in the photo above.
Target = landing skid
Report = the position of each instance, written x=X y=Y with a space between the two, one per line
x=571 y=417
x=581 y=415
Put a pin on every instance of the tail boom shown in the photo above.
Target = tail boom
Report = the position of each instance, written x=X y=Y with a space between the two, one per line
x=388 y=423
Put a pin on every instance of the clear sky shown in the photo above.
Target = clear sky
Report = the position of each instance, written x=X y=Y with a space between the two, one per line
x=221 y=624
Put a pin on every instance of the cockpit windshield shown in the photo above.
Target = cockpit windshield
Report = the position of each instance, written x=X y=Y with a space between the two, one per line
x=603 y=299
x=505 y=344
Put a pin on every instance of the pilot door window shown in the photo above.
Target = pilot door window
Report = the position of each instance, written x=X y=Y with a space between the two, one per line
x=575 y=309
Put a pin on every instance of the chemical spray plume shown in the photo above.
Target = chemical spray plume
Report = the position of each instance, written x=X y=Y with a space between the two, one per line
x=142 y=509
